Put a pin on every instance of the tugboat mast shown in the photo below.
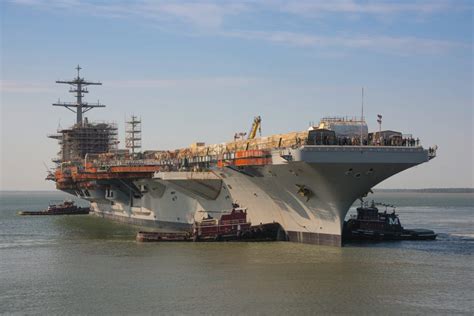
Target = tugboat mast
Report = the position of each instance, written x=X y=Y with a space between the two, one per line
x=79 y=87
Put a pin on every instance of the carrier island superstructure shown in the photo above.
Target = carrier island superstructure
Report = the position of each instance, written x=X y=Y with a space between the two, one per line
x=306 y=180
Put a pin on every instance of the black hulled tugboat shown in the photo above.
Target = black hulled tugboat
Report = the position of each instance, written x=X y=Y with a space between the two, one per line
x=371 y=224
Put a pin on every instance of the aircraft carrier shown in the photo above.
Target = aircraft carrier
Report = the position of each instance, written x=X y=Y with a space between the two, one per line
x=305 y=181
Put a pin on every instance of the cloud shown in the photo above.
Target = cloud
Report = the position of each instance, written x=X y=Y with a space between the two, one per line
x=24 y=86
x=208 y=15
x=204 y=82
x=316 y=7
x=201 y=14
x=207 y=18
x=386 y=44
x=17 y=86
x=212 y=13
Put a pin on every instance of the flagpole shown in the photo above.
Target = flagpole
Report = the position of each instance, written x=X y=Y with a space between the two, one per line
x=362 y=119
x=379 y=120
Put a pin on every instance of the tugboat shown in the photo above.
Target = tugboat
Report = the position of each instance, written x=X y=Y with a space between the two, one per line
x=65 y=208
x=370 y=224
x=230 y=226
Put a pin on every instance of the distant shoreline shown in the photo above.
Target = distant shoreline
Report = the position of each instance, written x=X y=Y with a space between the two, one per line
x=429 y=190
x=424 y=190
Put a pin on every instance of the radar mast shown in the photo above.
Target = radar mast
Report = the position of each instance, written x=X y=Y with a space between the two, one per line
x=79 y=87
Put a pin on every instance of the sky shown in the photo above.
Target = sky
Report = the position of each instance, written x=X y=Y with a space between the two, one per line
x=200 y=71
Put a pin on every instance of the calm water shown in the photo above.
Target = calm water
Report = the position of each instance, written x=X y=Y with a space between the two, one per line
x=87 y=265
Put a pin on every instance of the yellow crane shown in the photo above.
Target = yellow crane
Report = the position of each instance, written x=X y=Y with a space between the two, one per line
x=256 y=126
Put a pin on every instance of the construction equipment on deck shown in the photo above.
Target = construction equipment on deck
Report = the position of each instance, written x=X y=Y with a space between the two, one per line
x=256 y=125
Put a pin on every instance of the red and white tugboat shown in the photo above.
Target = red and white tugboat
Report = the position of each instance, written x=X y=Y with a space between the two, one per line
x=230 y=226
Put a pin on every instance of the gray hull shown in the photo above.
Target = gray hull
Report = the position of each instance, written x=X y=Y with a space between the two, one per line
x=307 y=190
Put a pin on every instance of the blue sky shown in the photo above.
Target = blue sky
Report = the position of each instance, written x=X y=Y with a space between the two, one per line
x=200 y=71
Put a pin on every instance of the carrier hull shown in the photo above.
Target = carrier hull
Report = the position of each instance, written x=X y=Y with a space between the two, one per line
x=308 y=191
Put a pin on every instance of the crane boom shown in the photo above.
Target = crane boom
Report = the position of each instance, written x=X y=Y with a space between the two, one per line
x=256 y=126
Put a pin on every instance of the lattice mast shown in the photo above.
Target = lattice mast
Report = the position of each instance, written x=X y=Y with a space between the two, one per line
x=79 y=87
x=133 y=135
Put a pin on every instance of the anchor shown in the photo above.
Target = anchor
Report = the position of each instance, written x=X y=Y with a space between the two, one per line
x=304 y=191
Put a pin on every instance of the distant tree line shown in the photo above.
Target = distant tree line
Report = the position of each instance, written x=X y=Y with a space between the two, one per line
x=430 y=190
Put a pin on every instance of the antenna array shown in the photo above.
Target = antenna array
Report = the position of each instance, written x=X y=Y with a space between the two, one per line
x=79 y=87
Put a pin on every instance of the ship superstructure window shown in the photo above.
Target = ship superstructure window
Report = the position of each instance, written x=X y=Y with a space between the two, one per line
x=321 y=137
